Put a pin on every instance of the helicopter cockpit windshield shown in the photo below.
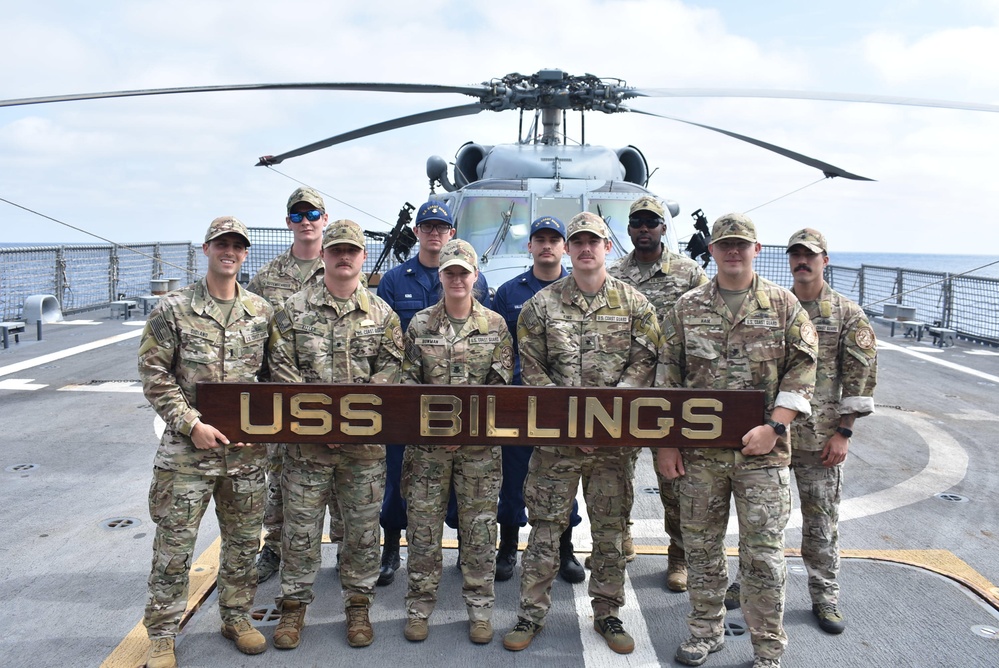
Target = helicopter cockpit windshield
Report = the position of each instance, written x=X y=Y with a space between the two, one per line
x=496 y=217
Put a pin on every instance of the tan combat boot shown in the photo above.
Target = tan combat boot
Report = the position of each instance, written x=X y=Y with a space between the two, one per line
x=248 y=639
x=161 y=654
x=676 y=574
x=289 y=629
x=359 y=631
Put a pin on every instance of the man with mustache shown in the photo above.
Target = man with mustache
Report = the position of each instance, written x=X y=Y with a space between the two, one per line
x=585 y=330
x=844 y=390
x=334 y=332
x=662 y=276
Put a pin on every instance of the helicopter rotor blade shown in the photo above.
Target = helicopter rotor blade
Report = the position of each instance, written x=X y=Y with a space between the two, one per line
x=394 y=124
x=811 y=95
x=824 y=167
x=474 y=91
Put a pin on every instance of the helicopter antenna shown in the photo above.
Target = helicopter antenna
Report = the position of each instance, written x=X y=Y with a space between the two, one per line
x=788 y=194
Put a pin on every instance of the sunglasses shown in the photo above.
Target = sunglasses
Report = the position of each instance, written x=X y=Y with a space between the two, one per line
x=312 y=216
x=639 y=223
x=430 y=228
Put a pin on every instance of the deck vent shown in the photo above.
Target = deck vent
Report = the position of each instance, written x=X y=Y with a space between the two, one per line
x=120 y=523
x=265 y=615
x=21 y=468
x=990 y=632
x=650 y=490
x=953 y=498
x=733 y=628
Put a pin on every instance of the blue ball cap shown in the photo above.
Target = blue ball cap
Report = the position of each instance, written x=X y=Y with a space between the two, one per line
x=434 y=211
x=548 y=223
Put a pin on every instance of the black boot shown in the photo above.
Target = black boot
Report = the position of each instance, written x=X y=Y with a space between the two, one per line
x=506 y=556
x=569 y=568
x=390 y=557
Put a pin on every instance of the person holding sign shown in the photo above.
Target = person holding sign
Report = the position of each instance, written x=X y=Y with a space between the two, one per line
x=455 y=342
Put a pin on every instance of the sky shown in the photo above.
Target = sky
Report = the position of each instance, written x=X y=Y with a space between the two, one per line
x=161 y=168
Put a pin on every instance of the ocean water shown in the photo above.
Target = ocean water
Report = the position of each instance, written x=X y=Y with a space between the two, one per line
x=978 y=265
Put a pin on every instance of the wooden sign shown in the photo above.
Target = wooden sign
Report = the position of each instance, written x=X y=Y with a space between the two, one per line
x=479 y=414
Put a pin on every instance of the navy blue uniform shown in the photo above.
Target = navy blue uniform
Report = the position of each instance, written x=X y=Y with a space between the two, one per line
x=409 y=288
x=509 y=300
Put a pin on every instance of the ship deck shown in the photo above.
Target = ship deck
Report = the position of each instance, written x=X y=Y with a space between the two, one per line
x=919 y=533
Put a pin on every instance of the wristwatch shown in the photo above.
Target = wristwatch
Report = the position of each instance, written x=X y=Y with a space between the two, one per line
x=845 y=432
x=779 y=427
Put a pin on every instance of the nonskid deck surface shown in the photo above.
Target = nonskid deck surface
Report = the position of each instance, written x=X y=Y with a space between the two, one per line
x=77 y=441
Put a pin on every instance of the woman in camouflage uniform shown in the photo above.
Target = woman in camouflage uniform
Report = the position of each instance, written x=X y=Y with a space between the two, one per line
x=455 y=342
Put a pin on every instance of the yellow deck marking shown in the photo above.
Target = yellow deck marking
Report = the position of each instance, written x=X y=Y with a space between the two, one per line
x=131 y=651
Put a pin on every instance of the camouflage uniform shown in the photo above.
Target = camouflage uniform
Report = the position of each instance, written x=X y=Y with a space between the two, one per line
x=844 y=384
x=768 y=345
x=674 y=276
x=565 y=341
x=316 y=339
x=185 y=342
x=480 y=353
x=276 y=281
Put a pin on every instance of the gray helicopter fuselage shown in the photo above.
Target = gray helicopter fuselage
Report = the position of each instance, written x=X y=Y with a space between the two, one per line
x=500 y=190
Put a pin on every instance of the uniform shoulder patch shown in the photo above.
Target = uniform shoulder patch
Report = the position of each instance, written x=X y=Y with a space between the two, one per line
x=397 y=338
x=160 y=329
x=865 y=337
x=506 y=355
x=808 y=334
x=282 y=321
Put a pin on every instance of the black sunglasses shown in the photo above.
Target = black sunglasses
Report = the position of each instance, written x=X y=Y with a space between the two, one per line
x=313 y=215
x=638 y=223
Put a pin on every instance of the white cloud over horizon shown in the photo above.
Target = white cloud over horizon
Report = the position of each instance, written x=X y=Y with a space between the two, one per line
x=160 y=168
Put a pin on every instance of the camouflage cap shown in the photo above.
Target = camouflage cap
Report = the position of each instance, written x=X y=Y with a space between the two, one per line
x=434 y=211
x=547 y=223
x=459 y=252
x=810 y=239
x=307 y=195
x=647 y=203
x=343 y=232
x=588 y=222
x=733 y=226
x=227 y=225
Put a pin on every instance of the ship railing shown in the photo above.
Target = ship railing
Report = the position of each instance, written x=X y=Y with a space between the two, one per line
x=89 y=277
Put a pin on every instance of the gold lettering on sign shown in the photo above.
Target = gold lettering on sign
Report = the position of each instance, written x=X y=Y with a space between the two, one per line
x=573 y=416
x=665 y=423
x=452 y=416
x=473 y=417
x=595 y=410
x=533 y=430
x=690 y=416
x=325 y=425
x=347 y=413
x=244 y=416
x=491 y=428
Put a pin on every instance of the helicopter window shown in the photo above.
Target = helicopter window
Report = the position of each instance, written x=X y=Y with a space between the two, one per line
x=563 y=208
x=482 y=220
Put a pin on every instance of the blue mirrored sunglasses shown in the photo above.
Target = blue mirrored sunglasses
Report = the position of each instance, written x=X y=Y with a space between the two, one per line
x=312 y=215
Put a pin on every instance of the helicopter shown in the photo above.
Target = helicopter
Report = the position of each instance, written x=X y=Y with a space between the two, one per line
x=495 y=191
